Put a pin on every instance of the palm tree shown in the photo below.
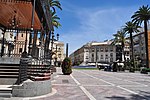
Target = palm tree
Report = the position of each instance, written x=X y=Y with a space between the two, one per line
x=130 y=28
x=53 y=20
x=55 y=24
x=143 y=15
x=120 y=38
x=55 y=3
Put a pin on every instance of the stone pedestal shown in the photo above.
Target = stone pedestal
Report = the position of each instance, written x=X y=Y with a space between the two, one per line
x=32 y=88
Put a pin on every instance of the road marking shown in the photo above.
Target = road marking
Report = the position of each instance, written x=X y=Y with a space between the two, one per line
x=98 y=78
x=125 y=80
x=98 y=85
x=132 y=85
x=83 y=89
x=127 y=90
x=110 y=83
x=75 y=80
x=87 y=93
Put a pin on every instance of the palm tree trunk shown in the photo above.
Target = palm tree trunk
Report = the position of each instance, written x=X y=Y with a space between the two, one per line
x=132 y=57
x=146 y=43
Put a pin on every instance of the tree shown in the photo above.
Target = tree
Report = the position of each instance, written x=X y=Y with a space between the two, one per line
x=140 y=16
x=120 y=39
x=130 y=28
x=55 y=3
x=54 y=20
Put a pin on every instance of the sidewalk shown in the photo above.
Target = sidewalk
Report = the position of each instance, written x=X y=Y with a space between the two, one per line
x=63 y=88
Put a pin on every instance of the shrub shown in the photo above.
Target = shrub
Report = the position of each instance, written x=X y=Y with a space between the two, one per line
x=132 y=69
x=66 y=66
x=145 y=70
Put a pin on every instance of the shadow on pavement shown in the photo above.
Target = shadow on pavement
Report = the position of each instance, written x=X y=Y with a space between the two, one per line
x=144 y=96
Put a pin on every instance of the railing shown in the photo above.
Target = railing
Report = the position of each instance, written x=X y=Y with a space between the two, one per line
x=13 y=48
x=34 y=68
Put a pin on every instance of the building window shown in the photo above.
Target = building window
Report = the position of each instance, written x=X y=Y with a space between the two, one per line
x=111 y=49
x=106 y=56
x=87 y=57
x=111 y=55
x=101 y=49
x=92 y=57
x=106 y=49
x=111 y=59
x=101 y=56
x=92 y=50
x=21 y=35
x=20 y=50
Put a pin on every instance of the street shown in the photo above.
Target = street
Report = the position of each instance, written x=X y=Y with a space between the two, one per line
x=100 y=85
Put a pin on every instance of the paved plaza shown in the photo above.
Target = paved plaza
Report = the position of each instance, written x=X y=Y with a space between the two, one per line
x=98 y=85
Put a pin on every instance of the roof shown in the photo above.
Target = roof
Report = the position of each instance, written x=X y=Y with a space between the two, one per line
x=23 y=14
x=101 y=43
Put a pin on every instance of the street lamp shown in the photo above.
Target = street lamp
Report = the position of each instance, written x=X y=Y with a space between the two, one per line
x=56 y=48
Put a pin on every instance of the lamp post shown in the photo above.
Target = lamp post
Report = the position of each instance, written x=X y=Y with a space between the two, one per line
x=56 y=50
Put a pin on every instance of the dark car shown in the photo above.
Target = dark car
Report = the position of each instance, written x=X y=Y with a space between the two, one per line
x=107 y=68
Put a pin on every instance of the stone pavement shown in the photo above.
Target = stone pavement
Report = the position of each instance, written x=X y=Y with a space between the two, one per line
x=97 y=85
x=100 y=85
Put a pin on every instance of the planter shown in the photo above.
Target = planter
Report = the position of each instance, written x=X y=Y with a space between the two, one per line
x=137 y=71
x=126 y=71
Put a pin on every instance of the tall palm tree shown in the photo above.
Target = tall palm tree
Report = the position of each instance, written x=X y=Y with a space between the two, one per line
x=140 y=16
x=55 y=24
x=120 y=38
x=130 y=28
x=53 y=18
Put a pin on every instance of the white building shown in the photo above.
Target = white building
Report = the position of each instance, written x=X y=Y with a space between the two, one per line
x=98 y=52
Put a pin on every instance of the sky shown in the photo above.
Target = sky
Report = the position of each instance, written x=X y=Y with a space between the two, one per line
x=84 y=21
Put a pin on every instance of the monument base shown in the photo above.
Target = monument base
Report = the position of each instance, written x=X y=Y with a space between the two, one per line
x=32 y=88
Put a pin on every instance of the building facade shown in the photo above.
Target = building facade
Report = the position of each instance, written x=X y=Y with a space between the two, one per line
x=58 y=49
x=139 y=47
x=97 y=52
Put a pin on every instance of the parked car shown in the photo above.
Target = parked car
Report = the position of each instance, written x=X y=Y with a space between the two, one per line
x=107 y=68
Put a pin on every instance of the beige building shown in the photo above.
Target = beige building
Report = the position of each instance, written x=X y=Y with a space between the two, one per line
x=58 y=49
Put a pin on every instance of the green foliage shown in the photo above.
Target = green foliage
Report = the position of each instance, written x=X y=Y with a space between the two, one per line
x=145 y=70
x=66 y=66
